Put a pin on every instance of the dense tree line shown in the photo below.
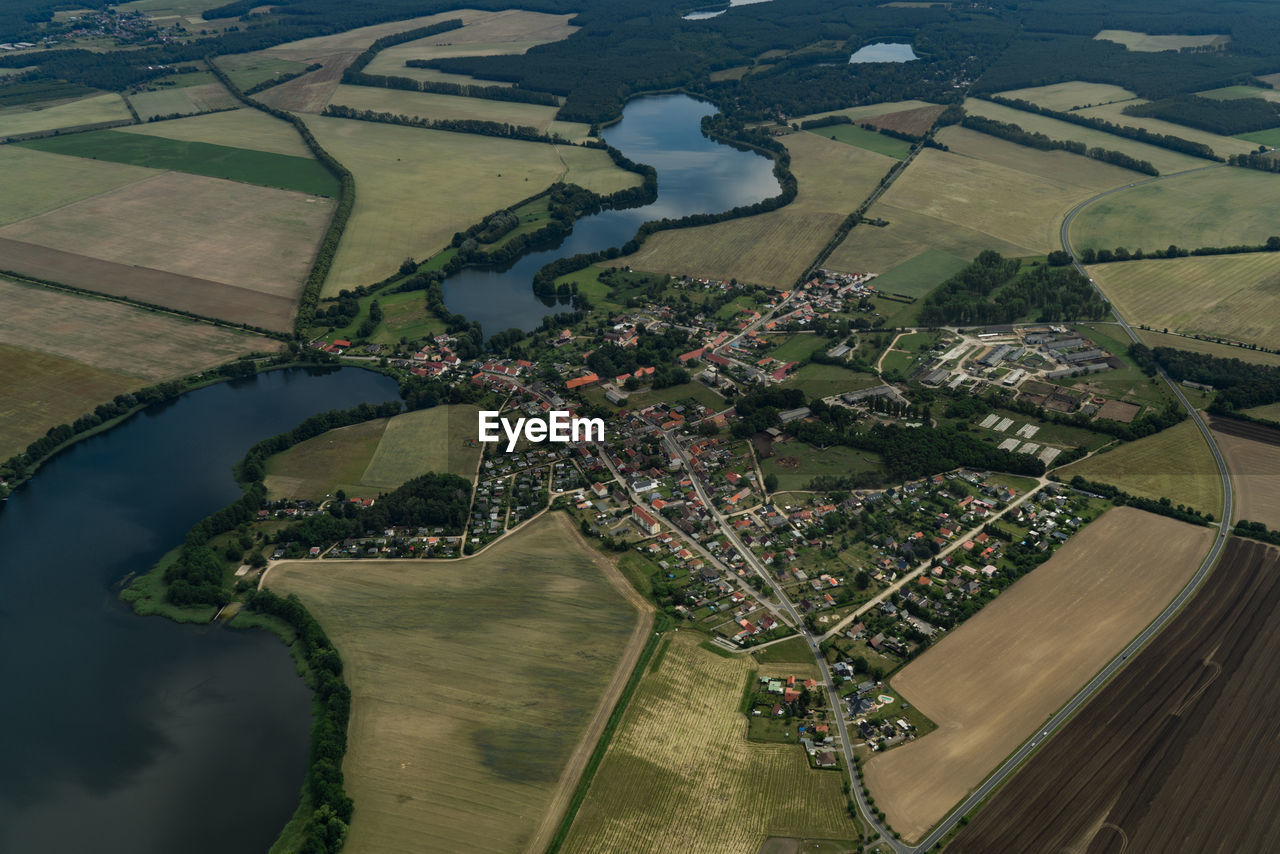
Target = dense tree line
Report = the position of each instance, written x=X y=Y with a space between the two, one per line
x=1121 y=253
x=1257 y=531
x=1034 y=139
x=429 y=501
x=1216 y=115
x=1162 y=506
x=1239 y=384
x=477 y=126
x=325 y=829
x=379 y=45
x=1163 y=140
x=994 y=290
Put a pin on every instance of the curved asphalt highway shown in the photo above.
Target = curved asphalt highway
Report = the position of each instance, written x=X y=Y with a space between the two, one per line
x=1224 y=528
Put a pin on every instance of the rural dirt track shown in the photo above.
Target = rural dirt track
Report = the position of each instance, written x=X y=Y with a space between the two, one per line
x=1178 y=752
x=1000 y=675
x=582 y=753
x=186 y=293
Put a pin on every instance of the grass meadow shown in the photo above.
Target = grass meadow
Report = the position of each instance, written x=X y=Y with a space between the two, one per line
x=1224 y=351
x=322 y=465
x=1222 y=206
x=868 y=139
x=37 y=182
x=242 y=128
x=1236 y=297
x=109 y=107
x=201 y=98
x=1174 y=463
x=680 y=774
x=264 y=168
x=473 y=683
x=796 y=463
x=1071 y=95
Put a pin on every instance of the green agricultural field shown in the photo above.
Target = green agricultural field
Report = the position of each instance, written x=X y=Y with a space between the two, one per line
x=920 y=275
x=50 y=181
x=1174 y=463
x=825 y=380
x=478 y=686
x=183 y=100
x=247 y=70
x=440 y=439
x=795 y=347
x=1070 y=95
x=774 y=248
x=304 y=175
x=1216 y=207
x=796 y=464
x=681 y=775
x=470 y=177
x=1224 y=351
x=31 y=118
x=242 y=128
x=867 y=111
x=868 y=139
x=319 y=467
x=1236 y=297
x=1269 y=138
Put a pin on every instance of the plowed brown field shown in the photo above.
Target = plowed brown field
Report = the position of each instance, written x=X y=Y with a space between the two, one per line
x=1178 y=752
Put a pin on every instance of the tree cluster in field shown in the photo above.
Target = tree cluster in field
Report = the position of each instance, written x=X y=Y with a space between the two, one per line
x=1163 y=140
x=1257 y=531
x=326 y=828
x=1261 y=162
x=1035 y=139
x=1215 y=115
x=1120 y=253
x=281 y=78
x=994 y=290
x=1239 y=384
x=1162 y=506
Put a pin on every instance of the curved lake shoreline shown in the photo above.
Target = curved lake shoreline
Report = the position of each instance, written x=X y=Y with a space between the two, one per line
x=696 y=174
x=155 y=736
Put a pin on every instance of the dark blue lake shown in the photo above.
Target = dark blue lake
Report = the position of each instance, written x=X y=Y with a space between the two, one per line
x=695 y=175
x=139 y=735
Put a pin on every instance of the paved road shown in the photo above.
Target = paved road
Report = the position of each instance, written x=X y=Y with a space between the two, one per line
x=1086 y=693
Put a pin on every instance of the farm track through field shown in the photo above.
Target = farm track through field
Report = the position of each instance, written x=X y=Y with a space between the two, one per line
x=1175 y=754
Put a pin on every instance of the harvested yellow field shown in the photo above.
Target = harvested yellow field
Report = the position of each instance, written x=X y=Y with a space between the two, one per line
x=509 y=31
x=775 y=247
x=109 y=107
x=908 y=235
x=1221 y=145
x=479 y=686
x=33 y=182
x=1236 y=297
x=1175 y=463
x=680 y=775
x=183 y=100
x=994 y=680
x=1061 y=167
x=417 y=187
x=148 y=345
x=242 y=128
x=1252 y=453
x=358 y=39
x=1147 y=43
x=1162 y=158
x=1071 y=95
x=260 y=239
x=1224 y=351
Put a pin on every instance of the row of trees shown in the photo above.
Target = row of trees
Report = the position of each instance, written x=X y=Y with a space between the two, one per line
x=1216 y=115
x=1161 y=506
x=1120 y=253
x=1163 y=140
x=477 y=126
x=1035 y=139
